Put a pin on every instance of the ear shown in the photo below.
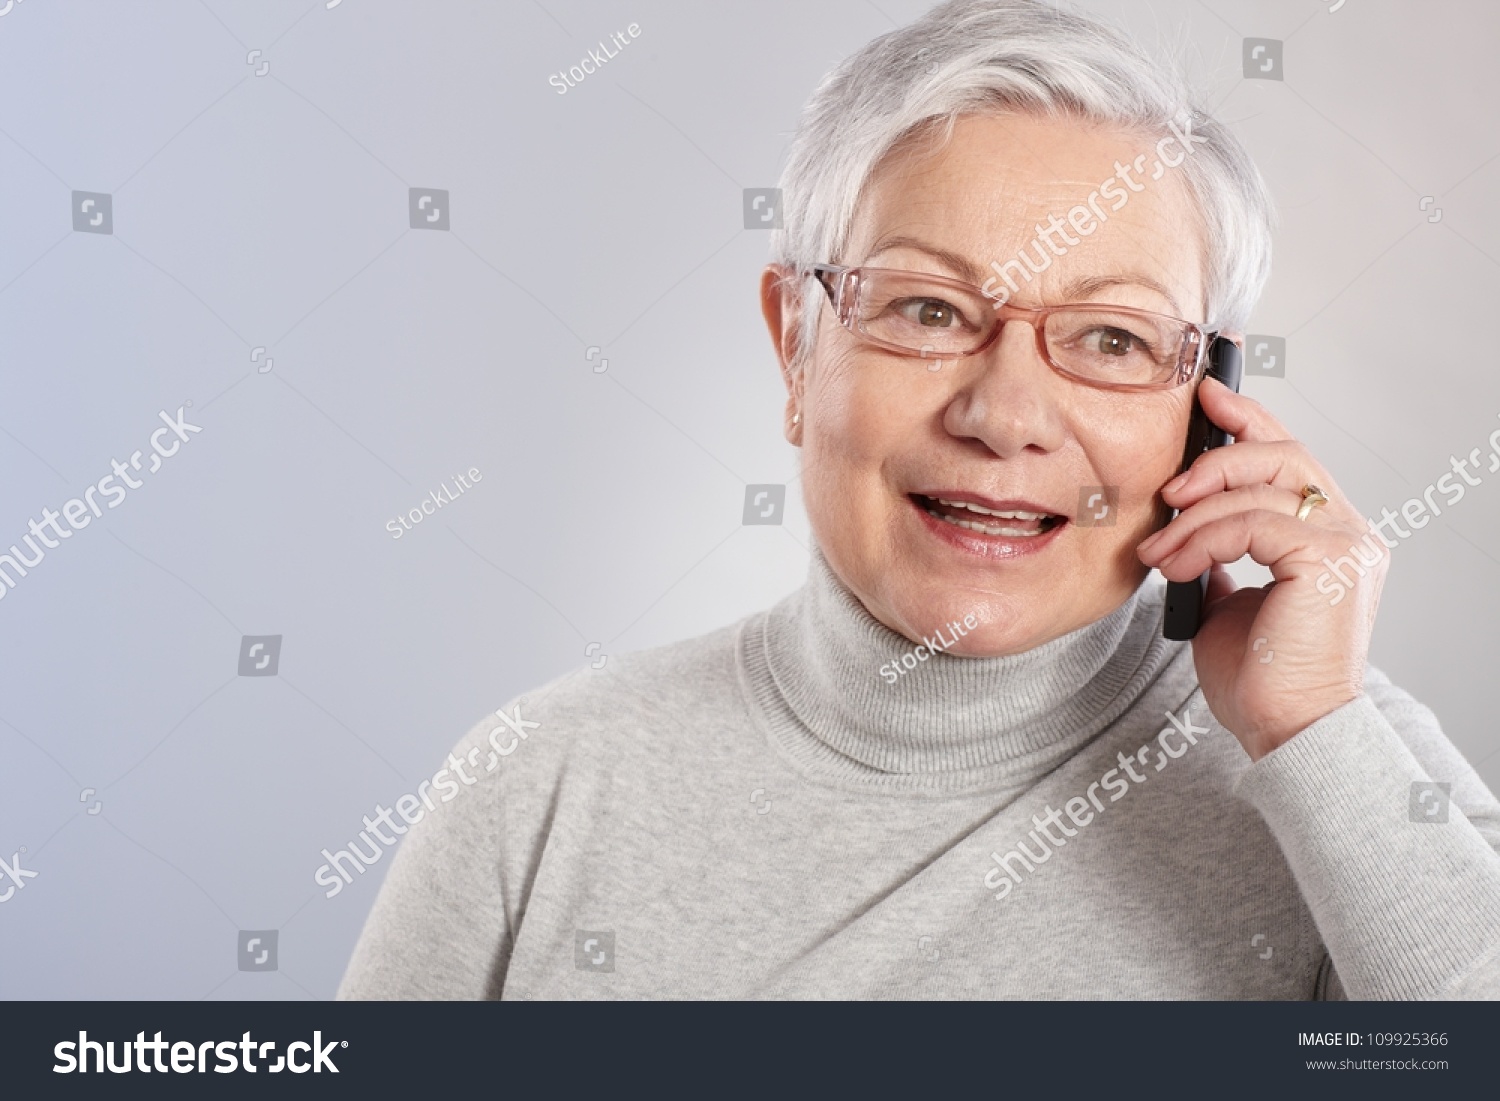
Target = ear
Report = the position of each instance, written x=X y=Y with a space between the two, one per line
x=780 y=305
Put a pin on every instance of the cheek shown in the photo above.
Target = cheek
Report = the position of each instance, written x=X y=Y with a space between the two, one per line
x=1138 y=447
x=854 y=423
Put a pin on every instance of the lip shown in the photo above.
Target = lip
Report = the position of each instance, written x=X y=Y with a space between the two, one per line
x=992 y=547
x=1008 y=505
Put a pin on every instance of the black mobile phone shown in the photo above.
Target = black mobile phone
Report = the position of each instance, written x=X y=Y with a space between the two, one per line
x=1183 y=611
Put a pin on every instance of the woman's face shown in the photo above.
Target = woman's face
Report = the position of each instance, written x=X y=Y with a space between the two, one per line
x=884 y=437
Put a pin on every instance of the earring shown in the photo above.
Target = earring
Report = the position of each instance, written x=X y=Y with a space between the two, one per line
x=796 y=418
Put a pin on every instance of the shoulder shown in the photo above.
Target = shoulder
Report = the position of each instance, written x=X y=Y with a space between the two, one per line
x=633 y=704
x=688 y=674
x=581 y=741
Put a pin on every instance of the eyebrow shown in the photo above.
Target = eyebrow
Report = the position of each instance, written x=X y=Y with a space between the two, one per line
x=958 y=264
x=1084 y=287
x=1093 y=284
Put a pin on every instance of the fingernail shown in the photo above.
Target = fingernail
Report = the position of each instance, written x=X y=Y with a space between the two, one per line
x=1177 y=483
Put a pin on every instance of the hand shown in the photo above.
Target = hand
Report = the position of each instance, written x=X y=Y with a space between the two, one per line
x=1243 y=499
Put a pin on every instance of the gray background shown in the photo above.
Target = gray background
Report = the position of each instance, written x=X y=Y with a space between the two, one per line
x=272 y=212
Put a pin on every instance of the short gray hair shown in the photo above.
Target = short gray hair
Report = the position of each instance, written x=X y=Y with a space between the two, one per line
x=1011 y=57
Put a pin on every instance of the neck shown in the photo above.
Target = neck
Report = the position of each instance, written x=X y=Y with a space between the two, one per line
x=945 y=722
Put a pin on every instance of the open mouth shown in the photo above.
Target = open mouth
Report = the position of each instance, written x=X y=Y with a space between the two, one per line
x=1007 y=523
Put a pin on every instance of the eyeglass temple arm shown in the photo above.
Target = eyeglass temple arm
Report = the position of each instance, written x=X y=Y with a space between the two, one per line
x=821 y=272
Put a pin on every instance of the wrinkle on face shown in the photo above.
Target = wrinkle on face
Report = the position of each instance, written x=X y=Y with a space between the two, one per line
x=880 y=426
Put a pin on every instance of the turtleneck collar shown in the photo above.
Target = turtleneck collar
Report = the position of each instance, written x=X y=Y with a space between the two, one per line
x=951 y=723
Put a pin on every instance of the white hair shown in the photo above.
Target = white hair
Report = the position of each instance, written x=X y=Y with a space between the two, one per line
x=1011 y=57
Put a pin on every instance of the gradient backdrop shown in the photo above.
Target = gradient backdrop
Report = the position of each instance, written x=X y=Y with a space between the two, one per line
x=218 y=206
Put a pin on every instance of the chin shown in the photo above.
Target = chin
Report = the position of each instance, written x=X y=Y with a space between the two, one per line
x=986 y=624
x=1019 y=632
x=1012 y=622
x=997 y=643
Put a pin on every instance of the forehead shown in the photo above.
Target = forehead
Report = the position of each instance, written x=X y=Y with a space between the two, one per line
x=984 y=194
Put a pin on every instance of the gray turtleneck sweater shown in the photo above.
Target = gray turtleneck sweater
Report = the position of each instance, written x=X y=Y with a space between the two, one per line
x=761 y=813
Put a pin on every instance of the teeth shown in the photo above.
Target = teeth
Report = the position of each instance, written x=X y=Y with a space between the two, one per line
x=986 y=529
x=1011 y=515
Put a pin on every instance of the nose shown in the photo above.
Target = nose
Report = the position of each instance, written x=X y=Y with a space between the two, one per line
x=1009 y=399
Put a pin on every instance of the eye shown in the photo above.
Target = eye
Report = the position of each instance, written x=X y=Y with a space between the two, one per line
x=1111 y=341
x=930 y=313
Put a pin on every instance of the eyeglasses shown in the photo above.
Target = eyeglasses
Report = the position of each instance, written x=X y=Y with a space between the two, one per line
x=1110 y=347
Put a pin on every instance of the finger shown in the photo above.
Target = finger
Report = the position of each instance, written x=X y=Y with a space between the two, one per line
x=1220 y=585
x=1259 y=497
x=1288 y=547
x=1243 y=418
x=1283 y=463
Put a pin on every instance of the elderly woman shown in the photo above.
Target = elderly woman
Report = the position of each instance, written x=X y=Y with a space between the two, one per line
x=963 y=761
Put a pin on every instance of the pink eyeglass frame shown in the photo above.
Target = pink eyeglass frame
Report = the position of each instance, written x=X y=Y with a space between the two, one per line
x=843 y=293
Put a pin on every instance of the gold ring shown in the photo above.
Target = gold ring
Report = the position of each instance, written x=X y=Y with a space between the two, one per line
x=1312 y=497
